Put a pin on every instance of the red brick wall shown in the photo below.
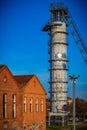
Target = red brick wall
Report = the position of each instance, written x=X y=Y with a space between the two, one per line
x=9 y=87
x=33 y=89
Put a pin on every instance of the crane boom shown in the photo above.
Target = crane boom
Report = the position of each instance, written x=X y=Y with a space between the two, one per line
x=77 y=37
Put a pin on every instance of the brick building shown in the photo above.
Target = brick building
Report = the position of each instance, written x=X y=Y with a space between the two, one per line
x=22 y=102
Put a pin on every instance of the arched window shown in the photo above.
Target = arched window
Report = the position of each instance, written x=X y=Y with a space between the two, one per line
x=24 y=104
x=36 y=105
x=42 y=105
x=4 y=105
x=13 y=106
x=31 y=104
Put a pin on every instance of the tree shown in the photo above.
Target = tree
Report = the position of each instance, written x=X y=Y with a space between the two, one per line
x=81 y=108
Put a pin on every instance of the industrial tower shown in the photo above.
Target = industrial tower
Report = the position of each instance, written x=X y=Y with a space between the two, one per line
x=58 y=63
x=60 y=19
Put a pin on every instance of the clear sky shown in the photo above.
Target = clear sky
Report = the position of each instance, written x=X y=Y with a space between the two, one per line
x=24 y=47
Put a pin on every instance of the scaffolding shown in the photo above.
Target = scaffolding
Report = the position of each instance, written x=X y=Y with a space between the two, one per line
x=60 y=19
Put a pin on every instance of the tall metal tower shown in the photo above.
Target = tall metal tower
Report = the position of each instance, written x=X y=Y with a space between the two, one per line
x=56 y=28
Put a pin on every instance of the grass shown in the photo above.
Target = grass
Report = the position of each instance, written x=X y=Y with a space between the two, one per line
x=82 y=127
x=78 y=127
x=59 y=128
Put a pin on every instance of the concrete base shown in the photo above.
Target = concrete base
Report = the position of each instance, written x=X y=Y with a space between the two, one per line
x=58 y=118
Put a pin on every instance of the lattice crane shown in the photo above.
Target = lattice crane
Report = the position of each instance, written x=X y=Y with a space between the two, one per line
x=76 y=35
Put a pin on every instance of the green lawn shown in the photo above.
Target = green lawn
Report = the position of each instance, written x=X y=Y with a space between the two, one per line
x=59 y=128
x=78 y=127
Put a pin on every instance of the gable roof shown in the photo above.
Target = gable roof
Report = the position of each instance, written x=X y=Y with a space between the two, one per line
x=1 y=67
x=5 y=72
x=41 y=84
x=23 y=79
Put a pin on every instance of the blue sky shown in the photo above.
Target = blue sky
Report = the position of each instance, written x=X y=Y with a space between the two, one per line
x=24 y=47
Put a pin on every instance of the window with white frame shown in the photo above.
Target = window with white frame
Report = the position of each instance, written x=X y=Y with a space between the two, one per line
x=31 y=104
x=4 y=105
x=42 y=105
x=24 y=104
x=13 y=106
x=36 y=105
